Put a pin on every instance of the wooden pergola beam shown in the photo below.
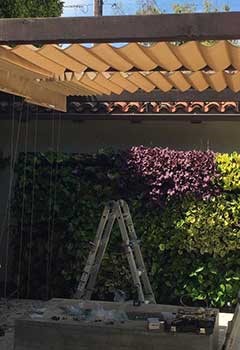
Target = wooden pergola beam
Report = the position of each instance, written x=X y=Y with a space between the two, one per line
x=164 y=27
x=174 y=95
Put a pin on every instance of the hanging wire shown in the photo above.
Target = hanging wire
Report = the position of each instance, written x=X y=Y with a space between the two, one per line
x=82 y=7
x=11 y=161
x=13 y=158
x=55 y=193
x=50 y=206
x=32 y=206
x=85 y=8
x=9 y=197
x=23 y=202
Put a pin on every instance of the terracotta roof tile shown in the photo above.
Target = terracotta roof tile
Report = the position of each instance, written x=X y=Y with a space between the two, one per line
x=154 y=107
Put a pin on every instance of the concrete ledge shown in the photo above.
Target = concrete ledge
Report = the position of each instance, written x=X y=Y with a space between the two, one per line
x=45 y=334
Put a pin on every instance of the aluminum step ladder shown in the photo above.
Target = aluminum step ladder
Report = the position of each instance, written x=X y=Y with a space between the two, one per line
x=116 y=211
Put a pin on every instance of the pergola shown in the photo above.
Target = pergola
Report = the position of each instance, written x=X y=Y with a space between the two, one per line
x=35 y=67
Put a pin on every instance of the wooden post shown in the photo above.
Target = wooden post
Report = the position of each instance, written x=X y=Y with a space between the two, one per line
x=98 y=7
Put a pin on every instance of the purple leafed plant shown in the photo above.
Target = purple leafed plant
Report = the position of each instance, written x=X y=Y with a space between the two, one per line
x=169 y=173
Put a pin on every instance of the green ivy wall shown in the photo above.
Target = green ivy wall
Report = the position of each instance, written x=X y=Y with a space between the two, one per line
x=191 y=245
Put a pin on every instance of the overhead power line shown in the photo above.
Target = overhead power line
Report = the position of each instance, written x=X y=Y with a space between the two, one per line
x=85 y=7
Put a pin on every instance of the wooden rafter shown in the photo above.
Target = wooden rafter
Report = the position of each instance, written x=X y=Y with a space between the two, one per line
x=165 y=27
x=31 y=91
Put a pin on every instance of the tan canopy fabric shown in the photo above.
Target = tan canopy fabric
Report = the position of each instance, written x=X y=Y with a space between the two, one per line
x=47 y=75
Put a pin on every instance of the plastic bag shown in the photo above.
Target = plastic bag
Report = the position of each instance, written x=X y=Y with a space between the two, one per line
x=76 y=311
x=97 y=314
x=119 y=296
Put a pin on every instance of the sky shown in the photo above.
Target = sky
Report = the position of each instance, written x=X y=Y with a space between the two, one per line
x=129 y=7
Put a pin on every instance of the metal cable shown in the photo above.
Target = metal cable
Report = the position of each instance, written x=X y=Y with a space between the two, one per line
x=23 y=203
x=50 y=217
x=55 y=193
x=32 y=207
x=13 y=158
x=11 y=161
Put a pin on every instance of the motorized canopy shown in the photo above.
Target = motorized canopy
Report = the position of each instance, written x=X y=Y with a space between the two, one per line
x=48 y=74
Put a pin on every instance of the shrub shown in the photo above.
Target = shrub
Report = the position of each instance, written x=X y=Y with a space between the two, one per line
x=169 y=174
x=229 y=168
x=178 y=270
x=211 y=226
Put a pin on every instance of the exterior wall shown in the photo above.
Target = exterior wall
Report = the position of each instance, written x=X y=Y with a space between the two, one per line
x=92 y=135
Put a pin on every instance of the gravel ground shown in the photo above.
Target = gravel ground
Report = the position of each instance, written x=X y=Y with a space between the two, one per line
x=15 y=309
x=9 y=312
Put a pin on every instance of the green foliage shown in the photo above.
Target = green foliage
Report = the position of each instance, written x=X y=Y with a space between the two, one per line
x=184 y=8
x=229 y=167
x=178 y=265
x=148 y=10
x=207 y=6
x=210 y=227
x=190 y=247
x=147 y=7
x=30 y=8
x=65 y=211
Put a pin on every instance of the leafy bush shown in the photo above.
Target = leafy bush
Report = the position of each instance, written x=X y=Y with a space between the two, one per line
x=229 y=168
x=179 y=270
x=210 y=226
x=170 y=173
x=189 y=242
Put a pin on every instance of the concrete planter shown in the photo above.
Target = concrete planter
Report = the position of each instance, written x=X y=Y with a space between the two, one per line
x=47 y=334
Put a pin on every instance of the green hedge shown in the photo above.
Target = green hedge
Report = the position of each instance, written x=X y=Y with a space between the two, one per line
x=191 y=246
